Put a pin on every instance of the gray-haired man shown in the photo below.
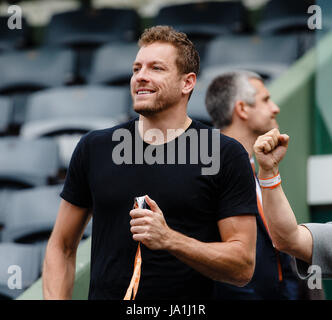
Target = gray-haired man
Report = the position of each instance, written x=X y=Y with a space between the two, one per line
x=241 y=107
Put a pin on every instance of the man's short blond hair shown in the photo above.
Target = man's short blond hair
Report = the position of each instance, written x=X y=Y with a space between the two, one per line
x=188 y=58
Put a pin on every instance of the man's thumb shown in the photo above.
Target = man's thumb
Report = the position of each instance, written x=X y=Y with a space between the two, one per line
x=152 y=204
x=284 y=139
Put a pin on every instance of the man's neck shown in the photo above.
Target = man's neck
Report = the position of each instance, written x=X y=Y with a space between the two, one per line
x=176 y=119
x=246 y=138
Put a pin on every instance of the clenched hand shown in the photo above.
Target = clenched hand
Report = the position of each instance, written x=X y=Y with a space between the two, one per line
x=270 y=149
x=149 y=226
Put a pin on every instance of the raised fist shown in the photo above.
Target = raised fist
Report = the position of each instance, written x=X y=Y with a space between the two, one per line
x=270 y=149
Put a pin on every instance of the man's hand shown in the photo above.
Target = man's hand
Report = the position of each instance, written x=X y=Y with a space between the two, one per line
x=270 y=149
x=149 y=226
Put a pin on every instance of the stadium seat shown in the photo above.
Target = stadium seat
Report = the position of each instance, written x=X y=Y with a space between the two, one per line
x=288 y=17
x=78 y=102
x=269 y=56
x=91 y=27
x=13 y=38
x=4 y=193
x=29 y=215
x=85 y=30
x=326 y=10
x=112 y=64
x=36 y=69
x=18 y=262
x=279 y=16
x=6 y=109
x=23 y=72
x=196 y=105
x=27 y=163
x=203 y=19
x=67 y=113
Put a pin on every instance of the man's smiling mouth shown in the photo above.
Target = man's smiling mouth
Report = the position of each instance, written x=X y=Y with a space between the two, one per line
x=144 y=91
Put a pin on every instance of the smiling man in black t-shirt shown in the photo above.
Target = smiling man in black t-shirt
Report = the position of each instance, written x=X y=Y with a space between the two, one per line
x=200 y=224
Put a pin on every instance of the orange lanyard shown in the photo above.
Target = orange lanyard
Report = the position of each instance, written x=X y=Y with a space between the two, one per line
x=135 y=278
x=134 y=282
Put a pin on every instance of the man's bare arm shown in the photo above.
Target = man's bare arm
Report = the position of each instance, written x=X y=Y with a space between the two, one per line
x=231 y=261
x=59 y=263
x=286 y=234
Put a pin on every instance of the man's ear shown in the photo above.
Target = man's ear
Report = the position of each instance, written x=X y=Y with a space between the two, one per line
x=189 y=82
x=241 y=109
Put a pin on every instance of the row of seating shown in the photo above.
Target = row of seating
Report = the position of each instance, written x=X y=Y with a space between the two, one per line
x=202 y=19
x=27 y=218
x=26 y=72
x=20 y=266
x=112 y=63
x=30 y=184
x=63 y=89
x=28 y=215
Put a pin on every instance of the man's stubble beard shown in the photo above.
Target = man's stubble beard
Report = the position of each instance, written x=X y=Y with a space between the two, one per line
x=259 y=132
x=158 y=107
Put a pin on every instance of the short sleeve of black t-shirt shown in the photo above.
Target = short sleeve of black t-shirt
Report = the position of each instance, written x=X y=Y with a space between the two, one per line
x=237 y=194
x=76 y=190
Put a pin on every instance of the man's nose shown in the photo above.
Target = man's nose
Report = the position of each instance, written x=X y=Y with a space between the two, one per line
x=275 y=108
x=142 y=75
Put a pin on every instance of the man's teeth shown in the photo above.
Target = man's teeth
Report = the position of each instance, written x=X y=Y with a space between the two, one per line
x=144 y=92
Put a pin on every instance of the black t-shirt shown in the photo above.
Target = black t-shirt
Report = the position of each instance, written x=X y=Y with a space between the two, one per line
x=191 y=202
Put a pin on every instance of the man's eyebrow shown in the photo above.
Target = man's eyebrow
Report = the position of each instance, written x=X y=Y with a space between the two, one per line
x=151 y=63
x=158 y=61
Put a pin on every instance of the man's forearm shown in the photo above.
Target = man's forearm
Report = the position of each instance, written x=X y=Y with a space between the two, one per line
x=58 y=274
x=278 y=213
x=222 y=261
x=286 y=234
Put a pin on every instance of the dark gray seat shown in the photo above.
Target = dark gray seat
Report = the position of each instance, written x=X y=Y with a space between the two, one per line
x=67 y=113
x=267 y=55
x=30 y=214
x=6 y=109
x=4 y=194
x=112 y=64
x=196 y=105
x=279 y=16
x=23 y=72
x=28 y=162
x=76 y=102
x=39 y=69
x=85 y=30
x=203 y=19
x=18 y=263
x=92 y=26
x=13 y=38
